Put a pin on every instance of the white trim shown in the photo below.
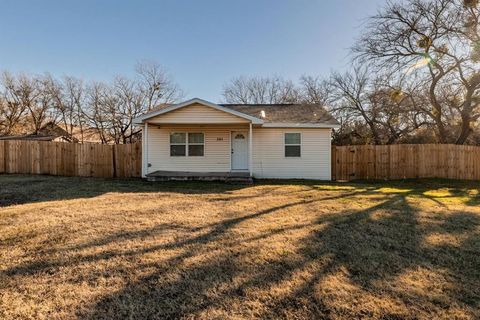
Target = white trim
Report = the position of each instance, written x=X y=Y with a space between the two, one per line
x=231 y=149
x=149 y=115
x=145 y=150
x=292 y=144
x=250 y=150
x=177 y=144
x=300 y=125
x=186 y=144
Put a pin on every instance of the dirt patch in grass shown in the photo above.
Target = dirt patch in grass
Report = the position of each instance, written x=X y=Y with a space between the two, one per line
x=111 y=249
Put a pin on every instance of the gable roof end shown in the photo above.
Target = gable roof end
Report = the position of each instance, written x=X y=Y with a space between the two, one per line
x=149 y=115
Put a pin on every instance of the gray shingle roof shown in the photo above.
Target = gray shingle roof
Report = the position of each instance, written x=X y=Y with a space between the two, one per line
x=29 y=137
x=280 y=113
x=286 y=113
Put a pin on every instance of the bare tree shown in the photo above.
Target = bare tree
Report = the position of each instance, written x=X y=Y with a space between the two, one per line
x=67 y=99
x=261 y=90
x=95 y=111
x=74 y=96
x=155 y=85
x=11 y=108
x=436 y=43
x=396 y=109
x=111 y=108
x=130 y=100
x=315 y=90
x=352 y=100
x=360 y=100
x=32 y=95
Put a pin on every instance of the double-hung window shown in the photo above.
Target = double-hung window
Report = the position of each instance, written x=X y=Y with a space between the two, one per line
x=189 y=144
x=293 y=145
x=178 y=144
x=196 y=144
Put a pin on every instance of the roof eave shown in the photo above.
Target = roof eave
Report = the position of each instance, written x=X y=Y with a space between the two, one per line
x=141 y=119
x=300 y=125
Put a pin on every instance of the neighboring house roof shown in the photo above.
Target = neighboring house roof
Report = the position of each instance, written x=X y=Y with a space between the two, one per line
x=54 y=132
x=49 y=132
x=86 y=134
x=33 y=137
x=269 y=115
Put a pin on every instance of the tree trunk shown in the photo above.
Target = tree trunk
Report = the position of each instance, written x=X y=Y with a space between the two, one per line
x=466 y=130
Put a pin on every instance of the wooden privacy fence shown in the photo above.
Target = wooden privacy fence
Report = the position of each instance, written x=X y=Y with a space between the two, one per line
x=69 y=159
x=404 y=161
x=348 y=162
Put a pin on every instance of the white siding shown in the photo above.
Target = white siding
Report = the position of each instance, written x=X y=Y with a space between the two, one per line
x=196 y=114
x=269 y=159
x=216 y=153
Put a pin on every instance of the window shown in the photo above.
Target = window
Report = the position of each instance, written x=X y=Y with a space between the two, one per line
x=178 y=144
x=183 y=144
x=293 y=144
x=196 y=143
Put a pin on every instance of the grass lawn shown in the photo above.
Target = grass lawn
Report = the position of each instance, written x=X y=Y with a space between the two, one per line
x=111 y=249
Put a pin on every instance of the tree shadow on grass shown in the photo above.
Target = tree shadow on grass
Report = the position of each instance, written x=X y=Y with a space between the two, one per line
x=372 y=247
x=206 y=234
x=22 y=189
x=217 y=275
x=16 y=189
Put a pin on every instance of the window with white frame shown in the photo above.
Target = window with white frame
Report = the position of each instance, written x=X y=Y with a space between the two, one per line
x=196 y=144
x=178 y=144
x=293 y=145
x=184 y=144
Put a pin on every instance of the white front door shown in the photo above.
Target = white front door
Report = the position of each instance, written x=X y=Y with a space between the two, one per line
x=239 y=150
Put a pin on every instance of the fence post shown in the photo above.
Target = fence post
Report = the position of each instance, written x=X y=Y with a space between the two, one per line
x=367 y=162
x=333 y=159
x=114 y=160
x=2 y=157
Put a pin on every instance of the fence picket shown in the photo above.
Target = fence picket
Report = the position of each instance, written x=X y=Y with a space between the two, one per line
x=348 y=162
x=408 y=162
x=2 y=156
x=66 y=159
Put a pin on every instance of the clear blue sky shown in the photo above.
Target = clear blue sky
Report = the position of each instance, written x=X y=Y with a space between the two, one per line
x=202 y=43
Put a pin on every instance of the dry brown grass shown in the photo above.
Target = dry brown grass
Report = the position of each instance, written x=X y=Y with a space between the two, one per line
x=96 y=249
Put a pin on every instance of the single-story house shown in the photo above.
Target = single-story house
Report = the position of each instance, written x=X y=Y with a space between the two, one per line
x=200 y=138
x=52 y=131
x=48 y=132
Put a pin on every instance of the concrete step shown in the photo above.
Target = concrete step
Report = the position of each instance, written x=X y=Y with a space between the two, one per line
x=192 y=176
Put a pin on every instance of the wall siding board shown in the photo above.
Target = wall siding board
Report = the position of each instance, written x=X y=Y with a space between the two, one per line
x=196 y=114
x=269 y=159
x=217 y=150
